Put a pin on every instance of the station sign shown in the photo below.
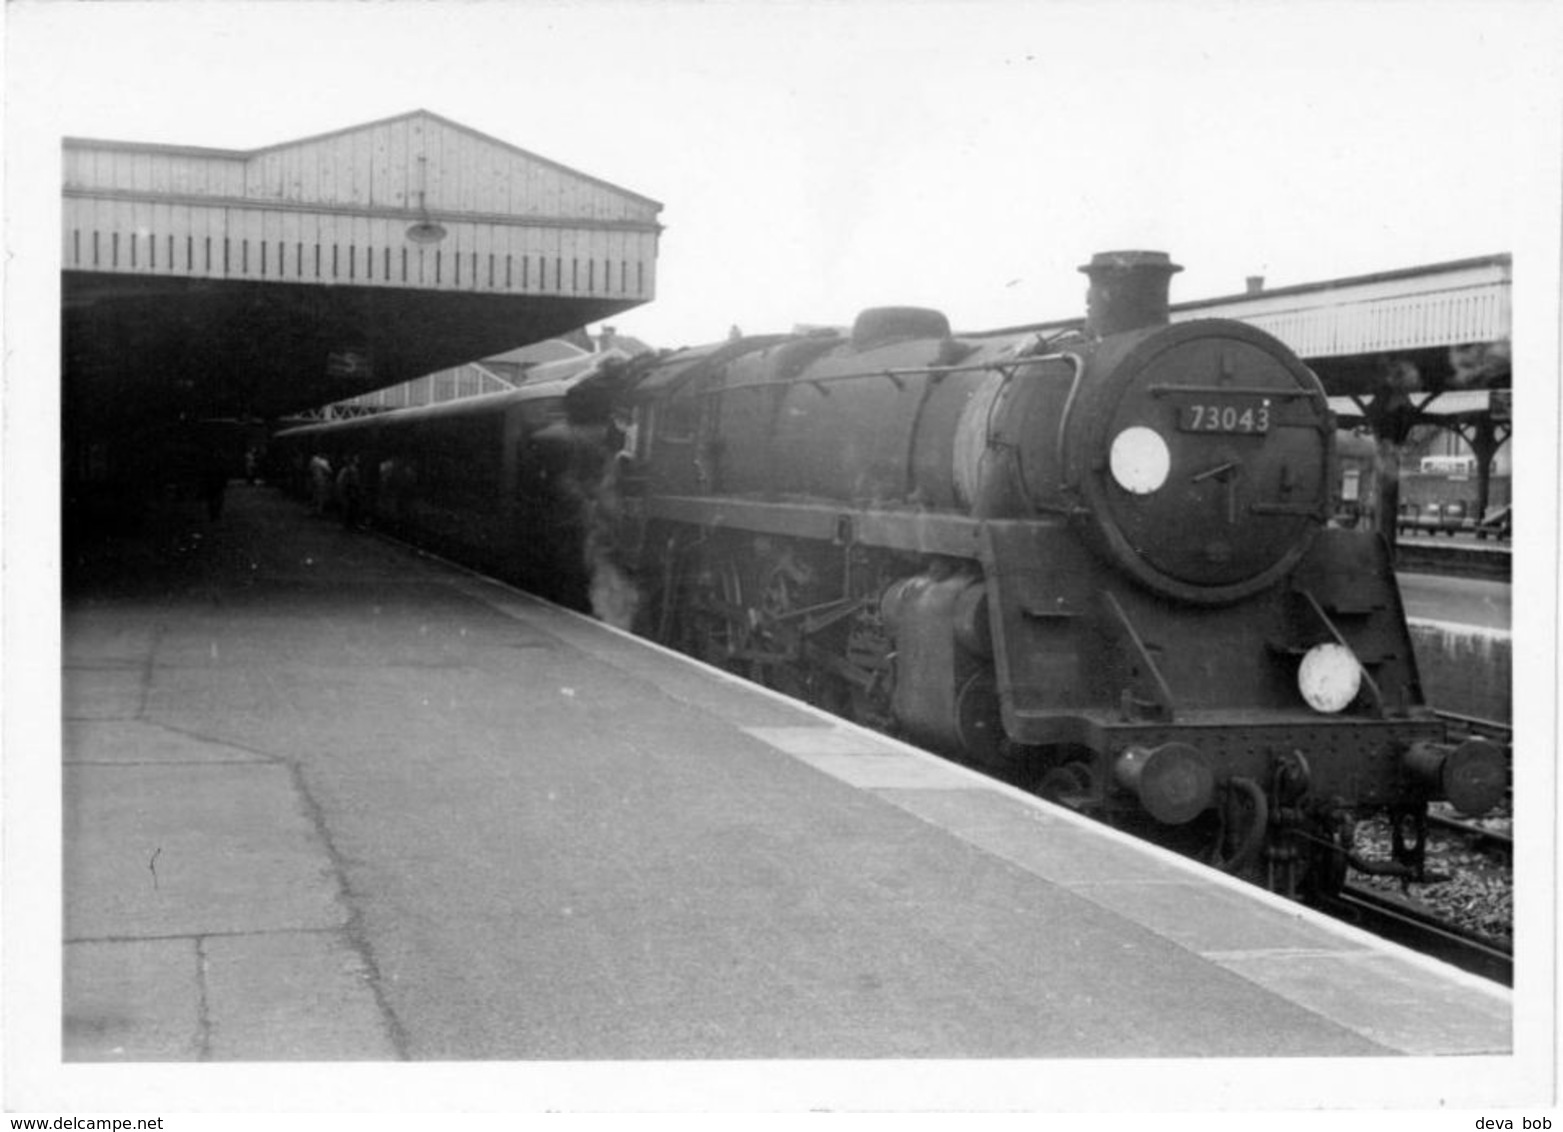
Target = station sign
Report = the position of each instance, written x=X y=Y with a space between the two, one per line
x=350 y=364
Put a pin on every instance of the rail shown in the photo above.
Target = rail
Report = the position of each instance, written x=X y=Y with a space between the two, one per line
x=1481 y=728
x=1479 y=837
x=1396 y=920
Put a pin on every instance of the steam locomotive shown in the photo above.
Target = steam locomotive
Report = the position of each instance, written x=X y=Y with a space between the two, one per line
x=1099 y=565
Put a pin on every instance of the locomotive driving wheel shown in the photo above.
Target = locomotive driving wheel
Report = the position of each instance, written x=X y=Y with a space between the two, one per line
x=784 y=589
x=870 y=663
x=1070 y=784
x=709 y=627
x=788 y=586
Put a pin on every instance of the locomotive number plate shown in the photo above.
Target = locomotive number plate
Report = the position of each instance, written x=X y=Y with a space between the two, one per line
x=1226 y=414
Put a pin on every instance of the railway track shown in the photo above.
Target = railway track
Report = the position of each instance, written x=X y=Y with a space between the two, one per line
x=1497 y=842
x=1483 y=728
x=1415 y=922
x=1399 y=920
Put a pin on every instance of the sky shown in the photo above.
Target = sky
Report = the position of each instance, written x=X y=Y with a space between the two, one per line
x=818 y=158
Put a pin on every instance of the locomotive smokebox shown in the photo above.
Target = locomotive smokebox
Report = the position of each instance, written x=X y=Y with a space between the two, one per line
x=1128 y=291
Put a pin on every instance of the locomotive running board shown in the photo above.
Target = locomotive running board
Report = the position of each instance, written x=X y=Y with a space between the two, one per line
x=918 y=532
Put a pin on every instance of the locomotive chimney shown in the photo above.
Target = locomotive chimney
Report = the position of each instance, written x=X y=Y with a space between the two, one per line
x=1128 y=291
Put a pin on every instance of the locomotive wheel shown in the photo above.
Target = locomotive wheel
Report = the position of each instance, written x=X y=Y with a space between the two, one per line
x=869 y=656
x=808 y=685
x=707 y=626
x=1070 y=785
x=788 y=585
x=782 y=589
x=707 y=637
x=785 y=587
x=982 y=731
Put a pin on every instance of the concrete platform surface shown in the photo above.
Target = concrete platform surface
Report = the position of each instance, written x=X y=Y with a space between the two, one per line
x=1476 y=604
x=1461 y=629
x=328 y=799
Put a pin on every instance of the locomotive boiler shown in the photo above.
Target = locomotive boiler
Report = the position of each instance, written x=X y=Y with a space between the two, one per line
x=1098 y=564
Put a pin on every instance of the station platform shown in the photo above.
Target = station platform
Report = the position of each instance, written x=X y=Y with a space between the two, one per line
x=1459 y=555
x=327 y=799
x=1461 y=629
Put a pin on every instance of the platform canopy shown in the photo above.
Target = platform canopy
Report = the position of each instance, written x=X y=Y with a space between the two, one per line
x=1432 y=328
x=1395 y=349
x=204 y=283
x=1453 y=409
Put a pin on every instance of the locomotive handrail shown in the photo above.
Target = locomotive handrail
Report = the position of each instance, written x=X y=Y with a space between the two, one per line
x=1064 y=465
x=1241 y=390
x=894 y=374
x=1315 y=510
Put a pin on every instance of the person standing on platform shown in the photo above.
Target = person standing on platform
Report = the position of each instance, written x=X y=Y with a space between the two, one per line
x=349 y=493
x=320 y=482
